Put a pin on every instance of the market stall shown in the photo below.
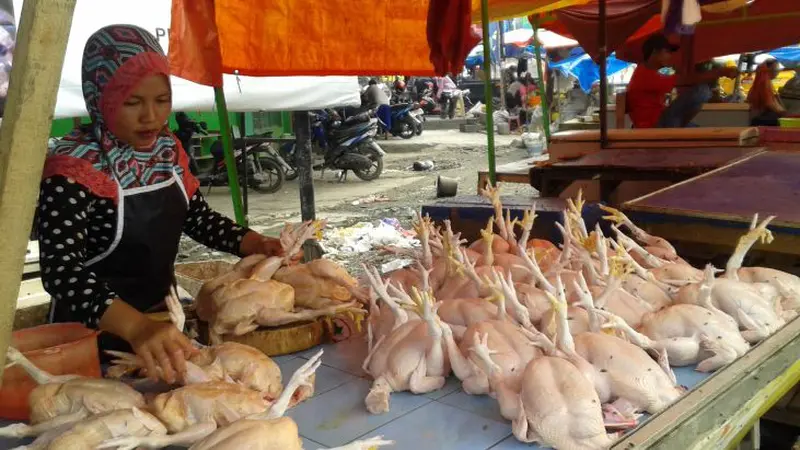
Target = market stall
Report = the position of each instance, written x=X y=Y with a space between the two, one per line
x=441 y=415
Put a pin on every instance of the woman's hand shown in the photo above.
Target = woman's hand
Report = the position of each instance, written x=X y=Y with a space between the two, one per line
x=163 y=348
x=256 y=244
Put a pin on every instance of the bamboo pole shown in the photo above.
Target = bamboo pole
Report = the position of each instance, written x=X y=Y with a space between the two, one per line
x=540 y=86
x=488 y=92
x=38 y=58
x=230 y=158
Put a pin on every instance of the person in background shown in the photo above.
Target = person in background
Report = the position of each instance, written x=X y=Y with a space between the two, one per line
x=515 y=94
x=648 y=89
x=374 y=96
x=765 y=106
x=445 y=90
x=116 y=195
x=576 y=103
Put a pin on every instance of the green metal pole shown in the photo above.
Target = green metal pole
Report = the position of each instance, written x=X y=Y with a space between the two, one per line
x=230 y=160
x=488 y=92
x=542 y=94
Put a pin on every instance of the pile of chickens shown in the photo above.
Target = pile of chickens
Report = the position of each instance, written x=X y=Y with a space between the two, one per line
x=574 y=342
x=232 y=397
x=272 y=291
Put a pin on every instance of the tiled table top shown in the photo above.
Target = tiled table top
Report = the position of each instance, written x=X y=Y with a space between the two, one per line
x=447 y=419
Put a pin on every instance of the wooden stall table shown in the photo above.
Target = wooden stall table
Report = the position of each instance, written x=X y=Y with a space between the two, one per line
x=614 y=166
x=780 y=139
x=516 y=172
x=574 y=144
x=714 y=209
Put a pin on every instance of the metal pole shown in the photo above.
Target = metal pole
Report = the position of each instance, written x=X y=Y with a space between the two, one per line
x=305 y=177
x=502 y=43
x=230 y=159
x=38 y=59
x=488 y=91
x=603 y=55
x=542 y=94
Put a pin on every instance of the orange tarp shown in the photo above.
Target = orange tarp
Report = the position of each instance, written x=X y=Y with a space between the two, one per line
x=298 y=37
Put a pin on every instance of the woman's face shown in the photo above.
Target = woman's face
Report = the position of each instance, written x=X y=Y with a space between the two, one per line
x=143 y=115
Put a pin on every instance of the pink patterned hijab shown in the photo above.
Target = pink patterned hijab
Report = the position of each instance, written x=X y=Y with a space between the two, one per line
x=116 y=58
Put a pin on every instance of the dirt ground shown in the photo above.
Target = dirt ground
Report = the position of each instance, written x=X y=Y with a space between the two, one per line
x=402 y=190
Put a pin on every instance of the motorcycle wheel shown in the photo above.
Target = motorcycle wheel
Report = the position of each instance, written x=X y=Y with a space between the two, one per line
x=407 y=128
x=272 y=177
x=377 y=164
x=418 y=128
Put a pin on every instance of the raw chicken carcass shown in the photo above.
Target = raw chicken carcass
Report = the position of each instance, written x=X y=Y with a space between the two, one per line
x=656 y=246
x=91 y=432
x=409 y=358
x=269 y=434
x=229 y=361
x=624 y=373
x=744 y=302
x=513 y=344
x=556 y=404
x=194 y=412
x=785 y=284
x=65 y=399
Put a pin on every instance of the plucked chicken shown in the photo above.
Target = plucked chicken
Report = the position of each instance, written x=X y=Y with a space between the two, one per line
x=786 y=285
x=248 y=297
x=90 y=433
x=624 y=373
x=66 y=399
x=512 y=343
x=194 y=412
x=556 y=404
x=410 y=357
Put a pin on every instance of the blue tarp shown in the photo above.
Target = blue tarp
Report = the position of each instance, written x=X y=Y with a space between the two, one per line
x=580 y=65
x=788 y=56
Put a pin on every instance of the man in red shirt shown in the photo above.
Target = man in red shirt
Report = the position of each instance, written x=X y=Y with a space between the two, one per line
x=648 y=88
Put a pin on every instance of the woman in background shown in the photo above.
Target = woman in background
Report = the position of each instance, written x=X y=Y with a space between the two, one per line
x=765 y=106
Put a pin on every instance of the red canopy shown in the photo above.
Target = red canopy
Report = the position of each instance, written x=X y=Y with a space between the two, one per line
x=762 y=25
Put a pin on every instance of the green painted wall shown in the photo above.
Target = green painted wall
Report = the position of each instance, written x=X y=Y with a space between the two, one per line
x=255 y=123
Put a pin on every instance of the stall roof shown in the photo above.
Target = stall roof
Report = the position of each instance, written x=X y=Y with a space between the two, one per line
x=761 y=24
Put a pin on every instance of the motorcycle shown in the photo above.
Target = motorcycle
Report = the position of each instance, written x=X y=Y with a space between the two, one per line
x=257 y=169
x=397 y=120
x=426 y=99
x=418 y=114
x=185 y=133
x=345 y=145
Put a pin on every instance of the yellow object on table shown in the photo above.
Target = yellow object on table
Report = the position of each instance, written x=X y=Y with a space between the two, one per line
x=789 y=122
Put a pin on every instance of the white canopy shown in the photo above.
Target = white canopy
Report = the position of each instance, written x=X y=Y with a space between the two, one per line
x=243 y=94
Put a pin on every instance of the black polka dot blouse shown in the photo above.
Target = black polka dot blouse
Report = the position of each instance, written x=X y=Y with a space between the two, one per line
x=76 y=226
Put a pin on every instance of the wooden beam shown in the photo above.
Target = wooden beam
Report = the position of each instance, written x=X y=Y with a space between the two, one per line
x=38 y=58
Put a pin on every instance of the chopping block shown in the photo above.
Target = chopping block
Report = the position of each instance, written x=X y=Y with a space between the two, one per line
x=468 y=214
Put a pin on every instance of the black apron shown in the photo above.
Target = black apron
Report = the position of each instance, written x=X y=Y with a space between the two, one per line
x=139 y=266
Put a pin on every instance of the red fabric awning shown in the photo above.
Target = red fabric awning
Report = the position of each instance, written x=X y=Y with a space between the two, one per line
x=623 y=19
x=763 y=25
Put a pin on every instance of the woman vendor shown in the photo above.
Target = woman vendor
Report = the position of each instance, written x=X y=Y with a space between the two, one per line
x=116 y=196
x=765 y=106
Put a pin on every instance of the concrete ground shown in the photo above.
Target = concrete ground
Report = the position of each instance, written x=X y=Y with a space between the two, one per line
x=403 y=191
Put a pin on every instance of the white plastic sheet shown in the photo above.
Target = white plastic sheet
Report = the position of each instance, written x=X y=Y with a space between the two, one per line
x=243 y=94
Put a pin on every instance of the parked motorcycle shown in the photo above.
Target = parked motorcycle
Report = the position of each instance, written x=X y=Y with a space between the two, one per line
x=256 y=168
x=397 y=120
x=345 y=145
x=186 y=130
x=418 y=114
